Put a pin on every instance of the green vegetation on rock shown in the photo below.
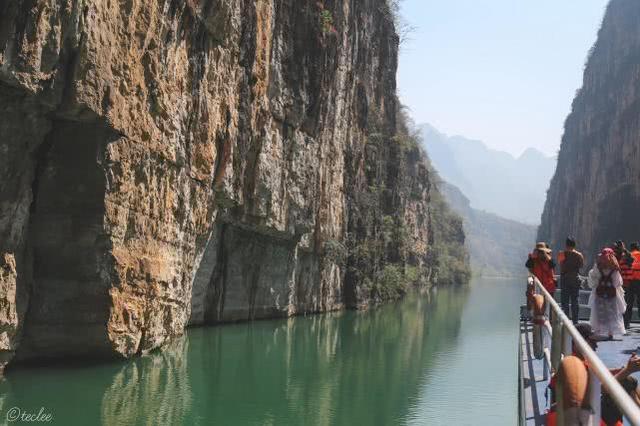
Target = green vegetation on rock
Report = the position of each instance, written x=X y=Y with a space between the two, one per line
x=450 y=257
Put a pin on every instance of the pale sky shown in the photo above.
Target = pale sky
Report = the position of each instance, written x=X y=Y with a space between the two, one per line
x=501 y=71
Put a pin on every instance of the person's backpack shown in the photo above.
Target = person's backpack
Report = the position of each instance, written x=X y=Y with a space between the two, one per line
x=605 y=288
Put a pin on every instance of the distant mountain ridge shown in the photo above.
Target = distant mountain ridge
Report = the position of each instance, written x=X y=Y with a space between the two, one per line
x=494 y=181
x=497 y=246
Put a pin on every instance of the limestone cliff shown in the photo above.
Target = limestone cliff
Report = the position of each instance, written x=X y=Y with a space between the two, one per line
x=595 y=193
x=166 y=163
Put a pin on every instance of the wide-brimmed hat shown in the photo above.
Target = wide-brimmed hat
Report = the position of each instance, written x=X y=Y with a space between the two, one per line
x=543 y=247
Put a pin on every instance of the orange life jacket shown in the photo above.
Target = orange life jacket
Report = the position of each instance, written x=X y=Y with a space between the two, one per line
x=635 y=267
x=542 y=270
x=626 y=270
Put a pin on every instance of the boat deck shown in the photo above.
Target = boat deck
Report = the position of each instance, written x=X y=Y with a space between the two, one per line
x=614 y=354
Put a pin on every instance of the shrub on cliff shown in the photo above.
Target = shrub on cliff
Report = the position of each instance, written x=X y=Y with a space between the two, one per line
x=394 y=281
x=403 y=27
x=325 y=19
x=449 y=257
x=390 y=282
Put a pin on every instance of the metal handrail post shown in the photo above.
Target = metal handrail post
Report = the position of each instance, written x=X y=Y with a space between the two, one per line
x=521 y=403
x=595 y=394
x=545 y=365
x=556 y=342
x=560 y=406
x=567 y=348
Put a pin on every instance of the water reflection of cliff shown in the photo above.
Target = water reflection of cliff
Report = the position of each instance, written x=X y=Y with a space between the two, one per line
x=152 y=390
x=348 y=368
x=344 y=368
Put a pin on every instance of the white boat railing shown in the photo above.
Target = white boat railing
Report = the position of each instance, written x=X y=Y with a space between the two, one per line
x=564 y=338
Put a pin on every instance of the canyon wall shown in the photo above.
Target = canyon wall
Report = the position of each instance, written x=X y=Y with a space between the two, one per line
x=184 y=162
x=595 y=193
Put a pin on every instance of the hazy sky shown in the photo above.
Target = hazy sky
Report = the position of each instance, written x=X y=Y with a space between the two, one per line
x=501 y=71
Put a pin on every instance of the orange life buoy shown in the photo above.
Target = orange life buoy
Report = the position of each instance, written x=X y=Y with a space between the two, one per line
x=538 y=309
x=574 y=378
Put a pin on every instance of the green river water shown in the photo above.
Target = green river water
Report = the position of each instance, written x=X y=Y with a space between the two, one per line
x=448 y=358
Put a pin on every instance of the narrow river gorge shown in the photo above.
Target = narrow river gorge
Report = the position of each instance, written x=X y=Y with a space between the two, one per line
x=448 y=357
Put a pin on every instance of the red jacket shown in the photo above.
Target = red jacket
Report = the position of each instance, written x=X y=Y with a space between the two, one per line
x=635 y=267
x=543 y=269
x=626 y=269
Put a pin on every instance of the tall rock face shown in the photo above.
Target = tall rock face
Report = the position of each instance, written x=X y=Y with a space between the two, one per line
x=595 y=193
x=166 y=163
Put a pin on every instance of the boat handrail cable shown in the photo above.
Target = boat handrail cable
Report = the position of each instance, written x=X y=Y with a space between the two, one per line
x=599 y=374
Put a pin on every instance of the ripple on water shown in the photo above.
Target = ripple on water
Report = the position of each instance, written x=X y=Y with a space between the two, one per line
x=474 y=381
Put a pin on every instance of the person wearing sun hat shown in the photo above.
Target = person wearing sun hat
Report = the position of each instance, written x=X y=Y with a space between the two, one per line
x=540 y=263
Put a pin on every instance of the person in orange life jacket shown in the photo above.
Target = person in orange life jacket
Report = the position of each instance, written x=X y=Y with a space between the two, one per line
x=607 y=297
x=622 y=375
x=632 y=282
x=570 y=261
x=625 y=261
x=610 y=413
x=586 y=332
x=540 y=263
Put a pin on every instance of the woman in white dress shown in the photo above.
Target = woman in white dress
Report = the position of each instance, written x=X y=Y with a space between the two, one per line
x=607 y=297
